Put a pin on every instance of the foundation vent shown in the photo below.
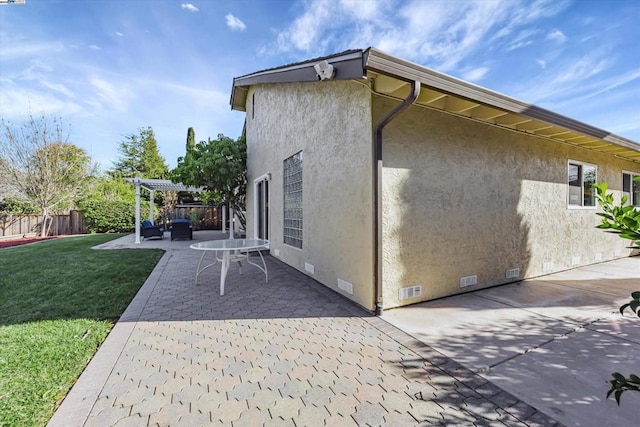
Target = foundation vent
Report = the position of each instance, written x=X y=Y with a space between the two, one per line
x=345 y=286
x=513 y=273
x=547 y=267
x=468 y=281
x=410 y=292
x=575 y=260
x=309 y=268
x=598 y=256
x=276 y=252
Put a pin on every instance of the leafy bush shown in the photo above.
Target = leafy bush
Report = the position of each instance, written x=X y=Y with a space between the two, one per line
x=110 y=216
x=623 y=220
x=13 y=206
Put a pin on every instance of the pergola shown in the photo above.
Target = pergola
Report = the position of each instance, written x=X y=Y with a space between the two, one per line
x=155 y=185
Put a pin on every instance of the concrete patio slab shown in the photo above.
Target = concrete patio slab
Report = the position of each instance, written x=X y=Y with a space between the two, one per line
x=552 y=342
x=625 y=327
x=558 y=301
x=568 y=378
x=476 y=331
x=286 y=352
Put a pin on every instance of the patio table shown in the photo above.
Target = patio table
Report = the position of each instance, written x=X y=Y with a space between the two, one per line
x=240 y=249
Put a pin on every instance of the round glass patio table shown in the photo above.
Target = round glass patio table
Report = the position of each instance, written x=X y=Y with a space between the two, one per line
x=232 y=249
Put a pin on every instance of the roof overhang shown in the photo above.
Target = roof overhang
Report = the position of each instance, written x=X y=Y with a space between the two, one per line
x=391 y=76
x=348 y=66
x=162 y=185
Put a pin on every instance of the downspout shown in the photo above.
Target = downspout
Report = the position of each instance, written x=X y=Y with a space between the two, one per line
x=377 y=199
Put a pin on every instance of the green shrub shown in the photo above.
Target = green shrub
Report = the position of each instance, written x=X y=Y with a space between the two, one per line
x=13 y=206
x=623 y=220
x=110 y=216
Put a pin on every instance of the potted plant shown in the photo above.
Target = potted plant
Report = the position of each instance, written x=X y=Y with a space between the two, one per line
x=194 y=217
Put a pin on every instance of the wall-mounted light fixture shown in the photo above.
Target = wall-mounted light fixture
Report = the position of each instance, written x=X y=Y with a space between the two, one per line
x=324 y=70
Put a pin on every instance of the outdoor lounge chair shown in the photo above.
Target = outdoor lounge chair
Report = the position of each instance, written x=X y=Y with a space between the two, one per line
x=149 y=230
x=181 y=229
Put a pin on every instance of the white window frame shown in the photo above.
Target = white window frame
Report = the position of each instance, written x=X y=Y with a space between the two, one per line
x=581 y=165
x=633 y=175
x=265 y=177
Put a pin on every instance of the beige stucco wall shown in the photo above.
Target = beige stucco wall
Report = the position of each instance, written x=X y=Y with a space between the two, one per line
x=462 y=198
x=331 y=123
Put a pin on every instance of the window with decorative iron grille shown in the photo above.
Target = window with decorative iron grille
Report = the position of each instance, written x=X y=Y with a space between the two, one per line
x=293 y=200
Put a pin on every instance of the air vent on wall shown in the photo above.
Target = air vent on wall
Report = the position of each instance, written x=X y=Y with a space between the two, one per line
x=345 y=286
x=410 y=292
x=309 y=268
x=468 y=281
x=513 y=273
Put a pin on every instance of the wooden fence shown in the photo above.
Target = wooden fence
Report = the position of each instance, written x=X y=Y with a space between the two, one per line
x=71 y=223
x=208 y=218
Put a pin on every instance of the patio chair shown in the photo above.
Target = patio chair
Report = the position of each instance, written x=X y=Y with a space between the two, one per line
x=181 y=229
x=149 y=230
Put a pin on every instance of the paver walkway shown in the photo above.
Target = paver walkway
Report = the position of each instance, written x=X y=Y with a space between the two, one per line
x=290 y=352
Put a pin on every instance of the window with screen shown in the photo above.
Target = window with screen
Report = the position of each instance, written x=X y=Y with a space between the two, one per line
x=631 y=188
x=581 y=180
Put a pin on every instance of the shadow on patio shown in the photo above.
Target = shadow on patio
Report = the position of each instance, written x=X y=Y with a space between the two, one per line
x=285 y=352
x=552 y=341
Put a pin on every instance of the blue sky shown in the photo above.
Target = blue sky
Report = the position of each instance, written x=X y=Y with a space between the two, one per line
x=108 y=68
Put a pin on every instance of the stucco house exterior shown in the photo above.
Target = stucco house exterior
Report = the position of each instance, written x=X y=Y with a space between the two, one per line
x=393 y=184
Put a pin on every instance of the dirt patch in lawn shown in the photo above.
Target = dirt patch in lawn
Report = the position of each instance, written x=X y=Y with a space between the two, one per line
x=7 y=243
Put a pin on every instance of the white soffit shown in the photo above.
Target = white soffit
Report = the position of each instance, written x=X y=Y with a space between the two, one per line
x=442 y=100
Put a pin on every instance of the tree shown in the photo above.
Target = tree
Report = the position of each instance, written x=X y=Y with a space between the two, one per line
x=108 y=205
x=191 y=140
x=139 y=157
x=47 y=170
x=108 y=188
x=623 y=220
x=220 y=166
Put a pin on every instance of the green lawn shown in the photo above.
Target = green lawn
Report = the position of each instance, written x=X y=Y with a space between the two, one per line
x=58 y=301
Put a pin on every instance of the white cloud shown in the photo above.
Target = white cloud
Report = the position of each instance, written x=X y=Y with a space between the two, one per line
x=58 y=87
x=26 y=49
x=524 y=38
x=521 y=14
x=303 y=34
x=235 y=23
x=363 y=10
x=557 y=35
x=17 y=102
x=518 y=45
x=570 y=79
x=542 y=63
x=475 y=74
x=582 y=69
x=119 y=34
x=189 y=7
x=94 y=47
x=441 y=34
x=111 y=96
x=352 y=23
x=436 y=33
x=196 y=94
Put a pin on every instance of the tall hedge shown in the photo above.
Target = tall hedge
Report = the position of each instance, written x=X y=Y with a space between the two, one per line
x=110 y=216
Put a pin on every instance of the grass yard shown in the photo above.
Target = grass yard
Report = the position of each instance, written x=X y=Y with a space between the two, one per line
x=58 y=301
